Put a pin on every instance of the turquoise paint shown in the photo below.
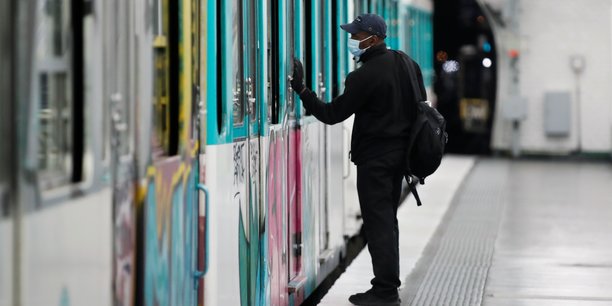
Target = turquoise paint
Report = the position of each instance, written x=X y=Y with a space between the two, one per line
x=314 y=49
x=170 y=253
x=421 y=41
x=262 y=63
x=182 y=259
x=157 y=269
x=327 y=74
x=342 y=55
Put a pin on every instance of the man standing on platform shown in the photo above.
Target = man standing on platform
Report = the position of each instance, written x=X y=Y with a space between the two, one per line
x=382 y=122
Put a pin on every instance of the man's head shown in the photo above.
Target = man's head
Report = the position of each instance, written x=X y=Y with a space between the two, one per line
x=369 y=29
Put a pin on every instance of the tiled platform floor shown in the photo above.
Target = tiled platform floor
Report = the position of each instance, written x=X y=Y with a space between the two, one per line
x=551 y=245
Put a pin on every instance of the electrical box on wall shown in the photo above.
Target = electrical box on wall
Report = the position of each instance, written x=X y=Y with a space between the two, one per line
x=557 y=113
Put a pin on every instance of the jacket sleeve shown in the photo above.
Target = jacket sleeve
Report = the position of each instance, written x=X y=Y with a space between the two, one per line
x=350 y=101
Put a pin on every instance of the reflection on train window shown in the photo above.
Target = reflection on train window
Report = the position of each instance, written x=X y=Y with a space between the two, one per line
x=195 y=64
x=335 y=51
x=55 y=94
x=323 y=49
x=291 y=52
x=166 y=94
x=308 y=61
x=237 y=57
x=161 y=85
x=252 y=61
x=219 y=71
x=273 y=62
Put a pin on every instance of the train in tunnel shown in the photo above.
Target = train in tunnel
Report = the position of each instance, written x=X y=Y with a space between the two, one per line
x=156 y=155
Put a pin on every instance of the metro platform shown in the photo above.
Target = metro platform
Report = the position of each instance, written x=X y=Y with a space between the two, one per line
x=502 y=232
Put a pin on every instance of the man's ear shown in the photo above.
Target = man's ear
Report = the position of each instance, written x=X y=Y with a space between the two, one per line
x=375 y=41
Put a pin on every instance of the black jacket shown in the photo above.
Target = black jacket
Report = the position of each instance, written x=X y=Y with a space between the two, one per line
x=373 y=93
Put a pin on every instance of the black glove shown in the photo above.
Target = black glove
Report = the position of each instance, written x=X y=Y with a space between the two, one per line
x=297 y=81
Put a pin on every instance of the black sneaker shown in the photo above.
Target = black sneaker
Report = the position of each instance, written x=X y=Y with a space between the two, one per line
x=368 y=298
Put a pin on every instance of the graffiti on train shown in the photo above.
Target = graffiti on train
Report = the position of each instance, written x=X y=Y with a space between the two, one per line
x=277 y=248
x=170 y=242
x=124 y=248
x=312 y=175
x=251 y=229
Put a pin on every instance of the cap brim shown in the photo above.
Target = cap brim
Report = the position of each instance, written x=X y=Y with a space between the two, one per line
x=351 y=28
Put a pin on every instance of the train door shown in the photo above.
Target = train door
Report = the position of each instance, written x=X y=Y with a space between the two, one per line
x=170 y=211
x=323 y=79
x=293 y=49
x=247 y=150
x=199 y=129
x=334 y=134
x=117 y=93
x=275 y=154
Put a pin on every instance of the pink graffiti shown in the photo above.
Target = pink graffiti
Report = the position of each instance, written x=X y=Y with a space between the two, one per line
x=276 y=246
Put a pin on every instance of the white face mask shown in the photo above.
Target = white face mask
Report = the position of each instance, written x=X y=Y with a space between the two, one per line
x=353 y=46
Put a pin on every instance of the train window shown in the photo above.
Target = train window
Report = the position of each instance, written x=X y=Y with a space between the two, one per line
x=166 y=104
x=120 y=100
x=323 y=55
x=55 y=94
x=310 y=34
x=237 y=58
x=273 y=63
x=252 y=80
x=195 y=64
x=290 y=34
x=220 y=60
x=335 y=50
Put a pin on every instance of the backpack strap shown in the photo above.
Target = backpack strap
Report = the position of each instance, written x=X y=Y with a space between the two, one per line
x=413 y=189
x=410 y=69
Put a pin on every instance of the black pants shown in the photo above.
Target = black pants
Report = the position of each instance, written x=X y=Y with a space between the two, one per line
x=379 y=183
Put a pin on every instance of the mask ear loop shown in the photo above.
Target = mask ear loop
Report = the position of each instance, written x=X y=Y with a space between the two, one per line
x=365 y=40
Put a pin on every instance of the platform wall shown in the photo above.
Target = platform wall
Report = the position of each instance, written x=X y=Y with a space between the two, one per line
x=550 y=32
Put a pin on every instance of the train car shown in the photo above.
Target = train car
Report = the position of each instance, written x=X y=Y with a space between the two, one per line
x=56 y=244
x=269 y=164
x=160 y=156
x=153 y=82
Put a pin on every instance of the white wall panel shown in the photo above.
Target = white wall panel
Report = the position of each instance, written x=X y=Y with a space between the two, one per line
x=222 y=283
x=550 y=33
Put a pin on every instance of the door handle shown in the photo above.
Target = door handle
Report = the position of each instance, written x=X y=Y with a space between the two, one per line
x=289 y=79
x=348 y=160
x=322 y=88
x=197 y=275
x=251 y=96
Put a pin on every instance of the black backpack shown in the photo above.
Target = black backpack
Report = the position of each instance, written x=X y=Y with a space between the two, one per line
x=428 y=135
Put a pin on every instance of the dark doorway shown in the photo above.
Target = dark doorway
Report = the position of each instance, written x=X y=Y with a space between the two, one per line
x=465 y=65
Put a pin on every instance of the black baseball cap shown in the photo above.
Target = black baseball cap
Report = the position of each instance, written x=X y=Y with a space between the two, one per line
x=370 y=23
